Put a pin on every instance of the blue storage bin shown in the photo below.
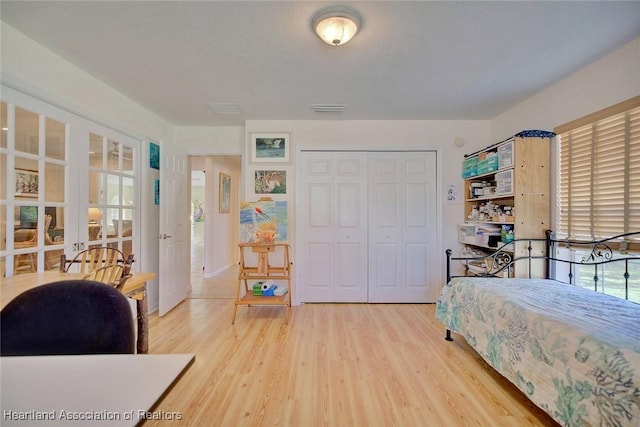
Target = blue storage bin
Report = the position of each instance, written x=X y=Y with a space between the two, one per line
x=470 y=167
x=488 y=164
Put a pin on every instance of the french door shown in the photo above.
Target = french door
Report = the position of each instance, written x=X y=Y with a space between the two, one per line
x=368 y=231
x=67 y=183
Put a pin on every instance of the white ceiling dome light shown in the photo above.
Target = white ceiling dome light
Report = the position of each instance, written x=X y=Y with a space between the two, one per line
x=336 y=25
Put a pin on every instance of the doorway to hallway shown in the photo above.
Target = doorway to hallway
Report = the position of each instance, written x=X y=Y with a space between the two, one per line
x=213 y=230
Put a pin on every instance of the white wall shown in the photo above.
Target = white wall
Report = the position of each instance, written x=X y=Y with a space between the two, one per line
x=380 y=135
x=221 y=229
x=340 y=134
x=30 y=68
x=210 y=140
x=608 y=81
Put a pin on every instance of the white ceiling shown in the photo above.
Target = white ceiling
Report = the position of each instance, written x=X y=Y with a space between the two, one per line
x=411 y=60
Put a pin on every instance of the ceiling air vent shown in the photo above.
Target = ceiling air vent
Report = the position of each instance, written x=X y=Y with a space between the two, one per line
x=222 y=108
x=328 y=108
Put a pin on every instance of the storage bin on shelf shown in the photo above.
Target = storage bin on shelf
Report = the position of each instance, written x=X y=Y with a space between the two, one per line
x=505 y=155
x=488 y=164
x=504 y=182
x=470 y=167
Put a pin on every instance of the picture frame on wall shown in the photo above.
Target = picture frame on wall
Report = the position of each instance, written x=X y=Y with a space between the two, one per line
x=154 y=156
x=224 y=191
x=270 y=147
x=270 y=182
x=27 y=184
x=156 y=192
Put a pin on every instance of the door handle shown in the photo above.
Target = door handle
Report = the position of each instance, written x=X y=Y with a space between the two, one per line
x=164 y=236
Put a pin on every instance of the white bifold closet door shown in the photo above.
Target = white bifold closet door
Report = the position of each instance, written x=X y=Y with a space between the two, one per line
x=334 y=221
x=368 y=227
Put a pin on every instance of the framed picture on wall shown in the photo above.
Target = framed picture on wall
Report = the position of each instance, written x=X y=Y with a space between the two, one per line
x=225 y=194
x=270 y=147
x=270 y=182
x=154 y=155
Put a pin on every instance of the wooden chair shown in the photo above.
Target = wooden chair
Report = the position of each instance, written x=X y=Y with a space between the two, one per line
x=27 y=263
x=111 y=275
x=92 y=259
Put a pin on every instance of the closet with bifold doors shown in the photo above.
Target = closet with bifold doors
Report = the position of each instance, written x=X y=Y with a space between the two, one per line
x=368 y=226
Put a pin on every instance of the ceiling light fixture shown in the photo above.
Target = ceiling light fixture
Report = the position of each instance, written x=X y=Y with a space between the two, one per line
x=336 y=25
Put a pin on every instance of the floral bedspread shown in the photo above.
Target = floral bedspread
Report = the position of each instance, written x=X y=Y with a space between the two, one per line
x=574 y=352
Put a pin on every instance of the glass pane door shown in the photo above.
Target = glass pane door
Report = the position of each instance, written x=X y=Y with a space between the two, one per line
x=112 y=196
x=32 y=194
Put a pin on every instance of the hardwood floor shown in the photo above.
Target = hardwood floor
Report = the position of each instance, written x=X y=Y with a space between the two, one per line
x=332 y=365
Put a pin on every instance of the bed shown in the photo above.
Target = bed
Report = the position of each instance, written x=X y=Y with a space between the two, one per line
x=572 y=351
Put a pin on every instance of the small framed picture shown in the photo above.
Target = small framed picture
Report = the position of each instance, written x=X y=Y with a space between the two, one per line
x=27 y=184
x=156 y=192
x=224 y=194
x=270 y=182
x=154 y=155
x=270 y=147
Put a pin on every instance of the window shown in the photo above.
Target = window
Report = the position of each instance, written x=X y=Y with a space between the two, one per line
x=599 y=173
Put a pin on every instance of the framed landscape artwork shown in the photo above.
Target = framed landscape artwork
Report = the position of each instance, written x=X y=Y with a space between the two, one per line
x=270 y=147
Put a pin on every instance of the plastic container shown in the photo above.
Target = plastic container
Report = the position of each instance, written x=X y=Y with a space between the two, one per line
x=488 y=164
x=504 y=182
x=470 y=167
x=505 y=155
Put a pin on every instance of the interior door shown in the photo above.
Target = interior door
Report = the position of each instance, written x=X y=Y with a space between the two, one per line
x=334 y=225
x=402 y=227
x=174 y=264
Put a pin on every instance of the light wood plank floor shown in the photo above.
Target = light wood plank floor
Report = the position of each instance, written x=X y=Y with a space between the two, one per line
x=332 y=365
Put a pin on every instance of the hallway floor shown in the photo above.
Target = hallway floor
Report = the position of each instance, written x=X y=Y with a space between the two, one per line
x=224 y=285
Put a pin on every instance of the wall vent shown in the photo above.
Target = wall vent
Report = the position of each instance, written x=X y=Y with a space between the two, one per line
x=328 y=108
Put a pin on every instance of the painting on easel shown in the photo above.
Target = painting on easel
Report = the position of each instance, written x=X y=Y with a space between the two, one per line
x=263 y=221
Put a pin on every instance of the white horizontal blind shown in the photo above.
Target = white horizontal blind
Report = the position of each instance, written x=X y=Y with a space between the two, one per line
x=633 y=158
x=599 y=177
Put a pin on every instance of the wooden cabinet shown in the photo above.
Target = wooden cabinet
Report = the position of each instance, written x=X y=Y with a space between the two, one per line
x=506 y=192
x=261 y=263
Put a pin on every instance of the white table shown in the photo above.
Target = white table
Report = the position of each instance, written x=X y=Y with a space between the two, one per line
x=95 y=390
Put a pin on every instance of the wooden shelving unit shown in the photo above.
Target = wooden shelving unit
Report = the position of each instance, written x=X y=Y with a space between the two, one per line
x=259 y=262
x=515 y=178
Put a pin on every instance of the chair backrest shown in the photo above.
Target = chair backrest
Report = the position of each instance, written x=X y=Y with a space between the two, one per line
x=109 y=274
x=92 y=259
x=67 y=317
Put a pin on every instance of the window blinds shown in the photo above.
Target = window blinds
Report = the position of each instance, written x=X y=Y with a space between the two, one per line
x=599 y=173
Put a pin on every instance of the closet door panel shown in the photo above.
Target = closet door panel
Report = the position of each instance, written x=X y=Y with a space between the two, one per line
x=385 y=226
x=407 y=274
x=334 y=253
x=319 y=255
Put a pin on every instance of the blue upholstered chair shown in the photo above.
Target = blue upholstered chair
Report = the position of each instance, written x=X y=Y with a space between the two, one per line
x=67 y=317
